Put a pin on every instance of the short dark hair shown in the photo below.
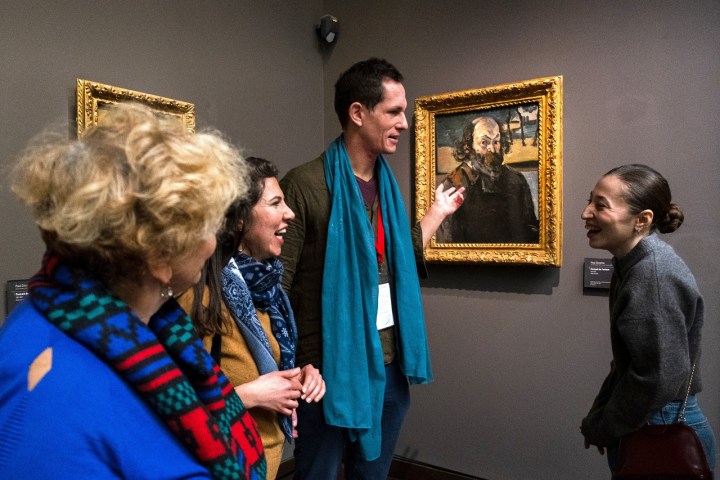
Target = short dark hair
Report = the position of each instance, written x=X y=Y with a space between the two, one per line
x=647 y=189
x=363 y=82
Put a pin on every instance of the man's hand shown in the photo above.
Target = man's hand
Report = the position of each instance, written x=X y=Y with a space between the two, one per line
x=313 y=385
x=446 y=203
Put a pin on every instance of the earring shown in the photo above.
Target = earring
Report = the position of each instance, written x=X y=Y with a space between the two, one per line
x=167 y=292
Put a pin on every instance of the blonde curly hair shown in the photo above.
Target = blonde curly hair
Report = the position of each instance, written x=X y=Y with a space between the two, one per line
x=137 y=186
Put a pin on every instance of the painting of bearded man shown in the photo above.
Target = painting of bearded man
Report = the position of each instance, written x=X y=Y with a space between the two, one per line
x=499 y=204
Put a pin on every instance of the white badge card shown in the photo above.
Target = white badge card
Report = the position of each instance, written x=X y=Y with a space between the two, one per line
x=384 y=314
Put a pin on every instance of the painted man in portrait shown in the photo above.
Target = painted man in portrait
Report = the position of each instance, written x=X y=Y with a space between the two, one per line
x=498 y=206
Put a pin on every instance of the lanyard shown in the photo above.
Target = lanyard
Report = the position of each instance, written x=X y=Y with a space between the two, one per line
x=380 y=239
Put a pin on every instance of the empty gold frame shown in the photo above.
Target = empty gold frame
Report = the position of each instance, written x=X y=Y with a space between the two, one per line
x=513 y=221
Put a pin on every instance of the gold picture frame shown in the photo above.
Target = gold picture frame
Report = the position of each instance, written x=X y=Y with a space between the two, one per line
x=92 y=96
x=495 y=224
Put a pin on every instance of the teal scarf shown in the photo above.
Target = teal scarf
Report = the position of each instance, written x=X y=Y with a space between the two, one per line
x=353 y=366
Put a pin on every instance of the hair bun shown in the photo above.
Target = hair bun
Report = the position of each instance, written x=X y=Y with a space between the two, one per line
x=672 y=220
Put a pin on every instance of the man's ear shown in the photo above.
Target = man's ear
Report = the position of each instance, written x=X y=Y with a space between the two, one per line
x=160 y=270
x=644 y=219
x=355 y=113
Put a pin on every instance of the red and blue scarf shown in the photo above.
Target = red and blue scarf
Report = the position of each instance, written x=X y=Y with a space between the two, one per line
x=164 y=362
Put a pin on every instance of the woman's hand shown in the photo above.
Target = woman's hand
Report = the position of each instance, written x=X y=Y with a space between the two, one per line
x=277 y=391
x=313 y=385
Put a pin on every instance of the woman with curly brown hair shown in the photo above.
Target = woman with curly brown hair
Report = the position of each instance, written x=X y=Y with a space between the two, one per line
x=245 y=317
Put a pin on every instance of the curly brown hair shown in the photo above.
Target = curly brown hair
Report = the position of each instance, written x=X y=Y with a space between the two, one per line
x=238 y=218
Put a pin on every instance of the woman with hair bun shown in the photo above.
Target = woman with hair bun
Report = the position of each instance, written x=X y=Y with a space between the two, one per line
x=656 y=312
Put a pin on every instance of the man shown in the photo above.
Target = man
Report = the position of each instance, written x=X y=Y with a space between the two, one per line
x=351 y=273
x=498 y=205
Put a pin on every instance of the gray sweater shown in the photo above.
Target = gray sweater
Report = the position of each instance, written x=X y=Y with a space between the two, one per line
x=656 y=317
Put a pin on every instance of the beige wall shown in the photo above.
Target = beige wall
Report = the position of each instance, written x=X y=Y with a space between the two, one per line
x=518 y=352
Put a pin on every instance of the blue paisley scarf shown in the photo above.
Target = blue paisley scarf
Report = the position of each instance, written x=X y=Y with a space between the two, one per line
x=249 y=284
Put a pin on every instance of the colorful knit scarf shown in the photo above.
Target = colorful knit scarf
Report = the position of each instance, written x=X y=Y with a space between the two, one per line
x=249 y=284
x=164 y=362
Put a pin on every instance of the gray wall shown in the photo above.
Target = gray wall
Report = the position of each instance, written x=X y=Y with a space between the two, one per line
x=253 y=70
x=519 y=353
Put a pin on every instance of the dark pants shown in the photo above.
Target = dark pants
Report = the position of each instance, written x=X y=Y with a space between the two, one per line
x=321 y=448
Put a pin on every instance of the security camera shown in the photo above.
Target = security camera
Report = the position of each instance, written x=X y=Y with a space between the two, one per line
x=328 y=28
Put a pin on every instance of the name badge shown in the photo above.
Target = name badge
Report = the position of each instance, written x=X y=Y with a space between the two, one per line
x=384 y=313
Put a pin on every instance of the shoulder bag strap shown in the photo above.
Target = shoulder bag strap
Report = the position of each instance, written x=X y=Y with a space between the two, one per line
x=681 y=415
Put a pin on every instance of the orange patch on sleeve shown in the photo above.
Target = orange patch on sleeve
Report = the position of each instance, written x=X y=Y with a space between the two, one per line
x=39 y=368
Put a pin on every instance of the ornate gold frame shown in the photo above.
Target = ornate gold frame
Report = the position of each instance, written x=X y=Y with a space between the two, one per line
x=92 y=96
x=546 y=94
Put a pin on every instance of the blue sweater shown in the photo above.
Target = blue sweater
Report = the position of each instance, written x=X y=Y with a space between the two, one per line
x=80 y=420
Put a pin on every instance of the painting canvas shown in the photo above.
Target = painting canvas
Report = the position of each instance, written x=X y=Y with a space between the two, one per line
x=502 y=144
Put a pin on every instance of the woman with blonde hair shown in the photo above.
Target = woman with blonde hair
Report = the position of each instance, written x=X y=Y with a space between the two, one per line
x=102 y=374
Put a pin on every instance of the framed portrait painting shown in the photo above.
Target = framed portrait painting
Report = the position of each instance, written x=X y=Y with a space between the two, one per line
x=503 y=144
x=93 y=97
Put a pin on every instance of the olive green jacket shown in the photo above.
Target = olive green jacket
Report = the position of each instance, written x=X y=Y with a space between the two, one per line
x=303 y=256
